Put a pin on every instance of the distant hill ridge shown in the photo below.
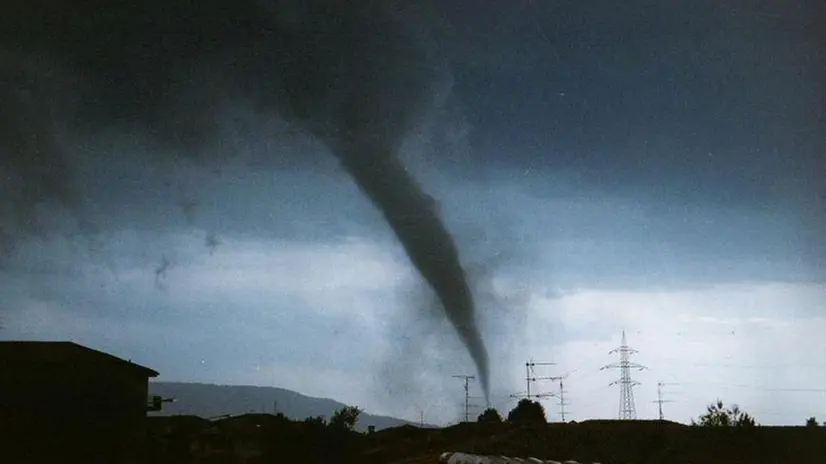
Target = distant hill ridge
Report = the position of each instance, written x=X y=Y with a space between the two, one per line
x=210 y=400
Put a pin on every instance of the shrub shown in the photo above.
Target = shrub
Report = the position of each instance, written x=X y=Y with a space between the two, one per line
x=527 y=412
x=490 y=415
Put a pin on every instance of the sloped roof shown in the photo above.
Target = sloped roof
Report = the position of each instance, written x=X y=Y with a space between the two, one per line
x=60 y=352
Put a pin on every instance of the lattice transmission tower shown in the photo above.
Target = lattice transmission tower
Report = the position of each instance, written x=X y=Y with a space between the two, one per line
x=627 y=409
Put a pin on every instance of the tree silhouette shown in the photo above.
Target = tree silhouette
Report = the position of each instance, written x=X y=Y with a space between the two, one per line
x=812 y=422
x=490 y=415
x=719 y=416
x=345 y=418
x=527 y=412
x=315 y=422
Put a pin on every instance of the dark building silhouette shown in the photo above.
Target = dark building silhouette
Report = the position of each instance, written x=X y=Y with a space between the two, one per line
x=63 y=402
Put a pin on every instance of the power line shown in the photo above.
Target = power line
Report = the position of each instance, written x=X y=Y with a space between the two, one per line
x=593 y=397
x=627 y=409
x=767 y=389
x=467 y=379
x=794 y=365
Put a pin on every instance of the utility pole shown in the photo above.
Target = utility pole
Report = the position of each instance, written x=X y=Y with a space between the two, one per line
x=421 y=409
x=627 y=409
x=660 y=399
x=467 y=379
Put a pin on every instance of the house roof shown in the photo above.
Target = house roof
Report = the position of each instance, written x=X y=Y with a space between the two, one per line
x=31 y=352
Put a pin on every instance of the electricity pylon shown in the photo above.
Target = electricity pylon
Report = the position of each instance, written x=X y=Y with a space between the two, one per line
x=627 y=409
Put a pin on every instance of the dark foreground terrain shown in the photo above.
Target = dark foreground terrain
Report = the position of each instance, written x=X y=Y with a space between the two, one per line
x=260 y=438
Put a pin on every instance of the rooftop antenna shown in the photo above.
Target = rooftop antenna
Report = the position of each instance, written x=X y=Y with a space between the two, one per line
x=467 y=379
x=561 y=393
x=530 y=374
x=660 y=399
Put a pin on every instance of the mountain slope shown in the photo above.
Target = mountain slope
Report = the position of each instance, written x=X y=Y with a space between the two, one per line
x=208 y=400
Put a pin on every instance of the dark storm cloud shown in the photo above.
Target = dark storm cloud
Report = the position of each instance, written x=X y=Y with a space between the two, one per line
x=384 y=86
x=72 y=72
x=697 y=99
x=601 y=145
x=352 y=75
x=34 y=169
x=716 y=106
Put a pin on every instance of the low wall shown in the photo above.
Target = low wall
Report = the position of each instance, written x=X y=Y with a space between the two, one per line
x=465 y=458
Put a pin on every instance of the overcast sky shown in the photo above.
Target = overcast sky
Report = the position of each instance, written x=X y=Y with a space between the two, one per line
x=603 y=167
